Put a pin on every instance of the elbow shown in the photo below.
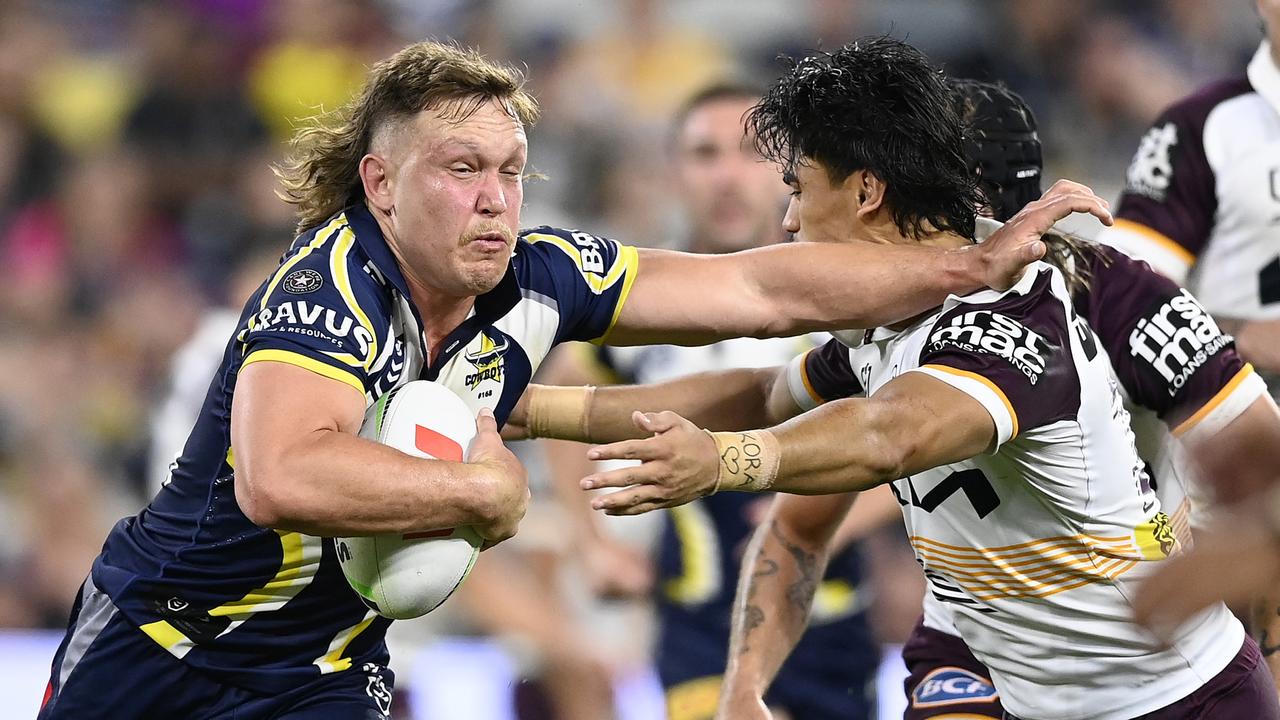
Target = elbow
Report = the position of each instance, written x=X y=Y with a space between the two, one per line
x=260 y=497
x=889 y=448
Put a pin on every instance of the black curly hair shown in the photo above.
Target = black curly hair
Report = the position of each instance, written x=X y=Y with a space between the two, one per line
x=876 y=104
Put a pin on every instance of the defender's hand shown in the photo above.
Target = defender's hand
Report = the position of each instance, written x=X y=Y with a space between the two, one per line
x=679 y=464
x=1011 y=248
x=507 y=485
x=517 y=425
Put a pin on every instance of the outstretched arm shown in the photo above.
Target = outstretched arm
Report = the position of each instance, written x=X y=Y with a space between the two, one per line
x=781 y=570
x=790 y=289
x=913 y=423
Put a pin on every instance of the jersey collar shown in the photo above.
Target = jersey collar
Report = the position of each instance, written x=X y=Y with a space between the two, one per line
x=488 y=308
x=1264 y=76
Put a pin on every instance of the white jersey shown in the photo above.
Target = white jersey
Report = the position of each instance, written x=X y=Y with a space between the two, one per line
x=1036 y=545
x=1202 y=198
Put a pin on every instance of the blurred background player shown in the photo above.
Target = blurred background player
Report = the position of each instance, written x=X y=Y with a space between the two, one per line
x=732 y=199
x=1201 y=201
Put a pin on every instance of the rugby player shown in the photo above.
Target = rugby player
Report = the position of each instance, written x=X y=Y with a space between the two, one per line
x=1202 y=198
x=732 y=198
x=1060 y=518
x=224 y=593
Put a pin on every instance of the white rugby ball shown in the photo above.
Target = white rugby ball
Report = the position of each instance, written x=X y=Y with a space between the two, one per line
x=407 y=576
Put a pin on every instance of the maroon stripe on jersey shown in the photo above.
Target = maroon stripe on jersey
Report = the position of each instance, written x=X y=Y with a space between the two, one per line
x=828 y=374
x=1170 y=185
x=1167 y=351
x=1021 y=344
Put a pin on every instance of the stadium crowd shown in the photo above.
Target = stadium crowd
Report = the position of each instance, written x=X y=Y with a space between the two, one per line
x=136 y=192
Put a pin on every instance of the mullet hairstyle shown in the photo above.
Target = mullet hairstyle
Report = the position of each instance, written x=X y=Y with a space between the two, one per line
x=878 y=105
x=321 y=174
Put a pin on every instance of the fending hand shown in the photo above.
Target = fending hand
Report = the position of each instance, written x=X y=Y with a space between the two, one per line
x=1011 y=248
x=679 y=463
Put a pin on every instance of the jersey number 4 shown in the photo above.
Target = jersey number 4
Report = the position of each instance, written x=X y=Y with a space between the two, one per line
x=982 y=496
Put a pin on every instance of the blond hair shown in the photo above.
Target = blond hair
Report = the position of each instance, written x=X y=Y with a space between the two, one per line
x=321 y=173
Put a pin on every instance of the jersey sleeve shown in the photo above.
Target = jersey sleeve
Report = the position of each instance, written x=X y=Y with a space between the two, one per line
x=821 y=375
x=320 y=312
x=584 y=278
x=1166 y=212
x=1167 y=351
x=1013 y=356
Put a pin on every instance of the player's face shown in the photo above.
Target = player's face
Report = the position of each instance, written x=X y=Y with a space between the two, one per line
x=822 y=211
x=457 y=189
x=730 y=193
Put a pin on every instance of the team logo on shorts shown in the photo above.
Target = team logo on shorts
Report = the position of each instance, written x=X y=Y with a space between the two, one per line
x=377 y=688
x=300 y=282
x=950 y=686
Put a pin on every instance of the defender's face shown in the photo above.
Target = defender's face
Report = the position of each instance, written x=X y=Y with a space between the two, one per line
x=457 y=188
x=821 y=211
x=729 y=192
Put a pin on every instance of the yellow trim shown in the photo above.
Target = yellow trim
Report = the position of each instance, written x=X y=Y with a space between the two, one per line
x=834 y=598
x=165 y=635
x=694 y=699
x=322 y=236
x=804 y=380
x=964 y=716
x=1164 y=241
x=231 y=458
x=292 y=358
x=334 y=659
x=630 y=262
x=696 y=534
x=1221 y=396
x=338 y=267
x=990 y=385
x=273 y=592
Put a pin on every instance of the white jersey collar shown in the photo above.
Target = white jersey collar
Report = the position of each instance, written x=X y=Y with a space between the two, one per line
x=1264 y=76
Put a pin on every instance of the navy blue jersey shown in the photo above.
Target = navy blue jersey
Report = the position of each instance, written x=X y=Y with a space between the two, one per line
x=270 y=610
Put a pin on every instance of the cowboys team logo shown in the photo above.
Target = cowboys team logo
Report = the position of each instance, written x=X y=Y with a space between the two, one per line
x=487 y=360
x=300 y=282
x=377 y=688
x=951 y=686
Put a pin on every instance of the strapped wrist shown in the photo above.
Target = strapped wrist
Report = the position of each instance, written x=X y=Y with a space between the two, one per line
x=747 y=461
x=558 y=412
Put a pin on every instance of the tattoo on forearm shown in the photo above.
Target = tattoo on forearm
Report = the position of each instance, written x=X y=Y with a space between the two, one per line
x=1263 y=613
x=800 y=593
x=753 y=615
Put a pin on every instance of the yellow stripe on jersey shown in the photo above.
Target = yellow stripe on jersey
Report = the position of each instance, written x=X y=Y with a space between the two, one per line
x=1037 y=568
x=699 y=555
x=341 y=278
x=231 y=458
x=1221 y=396
x=808 y=384
x=321 y=237
x=1013 y=416
x=623 y=264
x=292 y=358
x=694 y=699
x=1164 y=241
x=333 y=661
x=628 y=265
x=297 y=568
x=168 y=637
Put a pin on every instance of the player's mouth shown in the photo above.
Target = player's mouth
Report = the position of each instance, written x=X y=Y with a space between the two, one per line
x=490 y=243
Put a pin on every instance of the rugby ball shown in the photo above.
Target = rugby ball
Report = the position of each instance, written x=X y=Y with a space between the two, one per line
x=407 y=576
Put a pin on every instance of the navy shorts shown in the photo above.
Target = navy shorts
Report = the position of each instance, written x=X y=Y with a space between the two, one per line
x=945 y=680
x=107 y=668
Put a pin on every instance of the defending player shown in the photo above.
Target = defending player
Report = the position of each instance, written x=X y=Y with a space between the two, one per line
x=732 y=198
x=1043 y=607
x=223 y=592
x=1202 y=195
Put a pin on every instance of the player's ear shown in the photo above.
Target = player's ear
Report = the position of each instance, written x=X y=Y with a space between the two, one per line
x=870 y=192
x=376 y=177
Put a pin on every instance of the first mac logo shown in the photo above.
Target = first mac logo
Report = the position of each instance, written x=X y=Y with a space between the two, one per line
x=950 y=686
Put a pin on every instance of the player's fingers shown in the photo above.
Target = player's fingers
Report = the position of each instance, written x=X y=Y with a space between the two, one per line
x=1064 y=186
x=615 y=503
x=644 y=449
x=641 y=508
x=660 y=422
x=622 y=477
x=486 y=422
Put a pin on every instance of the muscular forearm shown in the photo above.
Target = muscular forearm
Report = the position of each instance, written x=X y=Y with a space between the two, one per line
x=723 y=400
x=775 y=594
x=337 y=484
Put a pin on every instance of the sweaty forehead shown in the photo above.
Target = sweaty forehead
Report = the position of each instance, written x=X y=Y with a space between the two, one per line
x=488 y=130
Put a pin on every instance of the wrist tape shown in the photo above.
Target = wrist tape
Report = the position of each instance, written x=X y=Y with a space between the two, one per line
x=747 y=460
x=560 y=412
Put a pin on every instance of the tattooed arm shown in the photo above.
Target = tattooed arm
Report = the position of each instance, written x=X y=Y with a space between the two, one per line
x=780 y=572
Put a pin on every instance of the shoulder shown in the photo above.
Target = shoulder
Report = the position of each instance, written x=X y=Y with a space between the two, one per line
x=1196 y=107
x=549 y=259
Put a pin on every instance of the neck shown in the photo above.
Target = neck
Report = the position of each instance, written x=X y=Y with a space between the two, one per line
x=941 y=239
